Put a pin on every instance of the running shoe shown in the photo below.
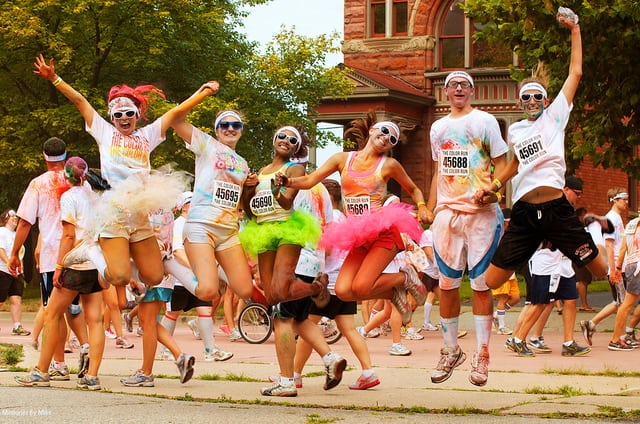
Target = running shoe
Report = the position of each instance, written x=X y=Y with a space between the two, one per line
x=480 y=367
x=462 y=333
x=398 y=349
x=510 y=344
x=412 y=334
x=588 y=328
x=92 y=383
x=399 y=300
x=216 y=355
x=323 y=297
x=139 y=379
x=296 y=380
x=122 y=343
x=139 y=331
x=334 y=371
x=413 y=284
x=193 y=325
x=630 y=340
x=620 y=346
x=632 y=335
x=364 y=383
x=496 y=323
x=505 y=331
x=522 y=349
x=83 y=365
x=450 y=358
x=185 y=366
x=20 y=331
x=59 y=374
x=109 y=333
x=430 y=327
x=539 y=345
x=128 y=322
x=166 y=355
x=235 y=335
x=575 y=350
x=276 y=389
x=225 y=329
x=34 y=378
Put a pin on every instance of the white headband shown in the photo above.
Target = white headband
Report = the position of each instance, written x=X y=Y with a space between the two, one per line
x=293 y=130
x=460 y=74
x=224 y=115
x=532 y=86
x=57 y=158
x=388 y=124
x=622 y=195
x=122 y=104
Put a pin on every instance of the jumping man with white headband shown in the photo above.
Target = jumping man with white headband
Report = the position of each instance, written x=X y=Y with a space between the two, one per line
x=464 y=144
x=541 y=210
x=370 y=233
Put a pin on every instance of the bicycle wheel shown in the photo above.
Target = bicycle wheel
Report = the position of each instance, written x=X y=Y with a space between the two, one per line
x=255 y=324
x=330 y=331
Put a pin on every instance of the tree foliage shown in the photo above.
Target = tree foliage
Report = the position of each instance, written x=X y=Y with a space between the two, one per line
x=174 y=44
x=604 y=122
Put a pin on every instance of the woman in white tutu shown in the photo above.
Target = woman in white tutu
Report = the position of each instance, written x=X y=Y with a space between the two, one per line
x=371 y=233
x=124 y=230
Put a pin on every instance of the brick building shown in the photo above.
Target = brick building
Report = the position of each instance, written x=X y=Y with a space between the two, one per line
x=398 y=52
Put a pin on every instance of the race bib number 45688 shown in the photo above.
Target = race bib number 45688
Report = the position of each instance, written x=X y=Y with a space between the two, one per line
x=454 y=162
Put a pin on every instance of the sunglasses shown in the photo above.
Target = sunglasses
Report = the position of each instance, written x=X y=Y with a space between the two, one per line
x=291 y=138
x=526 y=97
x=392 y=138
x=129 y=114
x=461 y=84
x=578 y=193
x=225 y=125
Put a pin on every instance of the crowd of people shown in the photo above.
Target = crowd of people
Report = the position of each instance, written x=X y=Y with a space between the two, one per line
x=312 y=247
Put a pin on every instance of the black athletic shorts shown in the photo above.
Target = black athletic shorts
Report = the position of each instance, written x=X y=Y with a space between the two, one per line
x=334 y=308
x=555 y=221
x=183 y=300
x=10 y=286
x=84 y=282
x=296 y=309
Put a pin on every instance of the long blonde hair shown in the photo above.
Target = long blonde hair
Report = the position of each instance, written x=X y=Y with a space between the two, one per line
x=539 y=74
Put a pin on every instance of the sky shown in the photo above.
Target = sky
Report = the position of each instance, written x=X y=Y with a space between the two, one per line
x=309 y=18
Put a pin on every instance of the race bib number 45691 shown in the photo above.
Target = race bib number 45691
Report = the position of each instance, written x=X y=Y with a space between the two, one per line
x=454 y=162
x=530 y=149
x=225 y=194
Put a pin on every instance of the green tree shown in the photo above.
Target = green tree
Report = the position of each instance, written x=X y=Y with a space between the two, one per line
x=604 y=123
x=174 y=44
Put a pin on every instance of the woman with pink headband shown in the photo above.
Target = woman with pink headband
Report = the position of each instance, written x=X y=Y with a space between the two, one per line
x=541 y=210
x=371 y=234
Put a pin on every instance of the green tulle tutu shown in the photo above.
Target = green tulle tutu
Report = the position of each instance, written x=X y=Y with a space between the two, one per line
x=301 y=229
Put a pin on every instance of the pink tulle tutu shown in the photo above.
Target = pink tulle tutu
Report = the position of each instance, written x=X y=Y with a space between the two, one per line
x=355 y=231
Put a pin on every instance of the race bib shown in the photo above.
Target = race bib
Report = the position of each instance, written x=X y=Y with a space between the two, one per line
x=454 y=163
x=263 y=203
x=530 y=149
x=226 y=195
x=357 y=205
x=631 y=227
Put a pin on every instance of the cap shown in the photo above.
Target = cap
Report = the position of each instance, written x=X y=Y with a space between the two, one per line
x=573 y=182
x=186 y=198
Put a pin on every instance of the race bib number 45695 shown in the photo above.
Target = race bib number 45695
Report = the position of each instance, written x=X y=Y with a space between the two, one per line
x=226 y=194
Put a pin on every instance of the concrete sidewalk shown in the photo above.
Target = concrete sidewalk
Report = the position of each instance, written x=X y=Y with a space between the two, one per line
x=595 y=385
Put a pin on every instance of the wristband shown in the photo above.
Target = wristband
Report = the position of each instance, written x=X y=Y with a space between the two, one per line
x=619 y=268
x=421 y=204
x=56 y=81
x=497 y=183
x=499 y=196
x=58 y=266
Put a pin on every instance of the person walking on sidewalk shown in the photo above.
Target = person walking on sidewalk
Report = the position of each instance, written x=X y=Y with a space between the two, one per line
x=464 y=145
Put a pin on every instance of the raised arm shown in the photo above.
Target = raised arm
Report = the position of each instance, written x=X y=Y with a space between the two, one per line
x=48 y=72
x=176 y=116
x=568 y=19
x=333 y=164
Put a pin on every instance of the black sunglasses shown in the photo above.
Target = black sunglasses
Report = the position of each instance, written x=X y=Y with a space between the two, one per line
x=224 y=125
x=291 y=138
x=392 y=138
x=129 y=114
x=526 y=97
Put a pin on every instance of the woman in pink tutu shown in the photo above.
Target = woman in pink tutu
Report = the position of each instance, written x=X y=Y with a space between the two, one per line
x=371 y=234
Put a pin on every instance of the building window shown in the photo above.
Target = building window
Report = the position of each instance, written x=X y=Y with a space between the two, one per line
x=457 y=48
x=397 y=24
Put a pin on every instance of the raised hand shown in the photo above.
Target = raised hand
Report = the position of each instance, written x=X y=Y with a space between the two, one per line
x=46 y=71
x=567 y=17
x=214 y=86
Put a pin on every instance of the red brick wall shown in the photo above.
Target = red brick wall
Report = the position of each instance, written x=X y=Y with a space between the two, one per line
x=596 y=182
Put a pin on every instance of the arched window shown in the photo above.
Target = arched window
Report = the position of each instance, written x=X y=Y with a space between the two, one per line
x=456 y=47
x=394 y=23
